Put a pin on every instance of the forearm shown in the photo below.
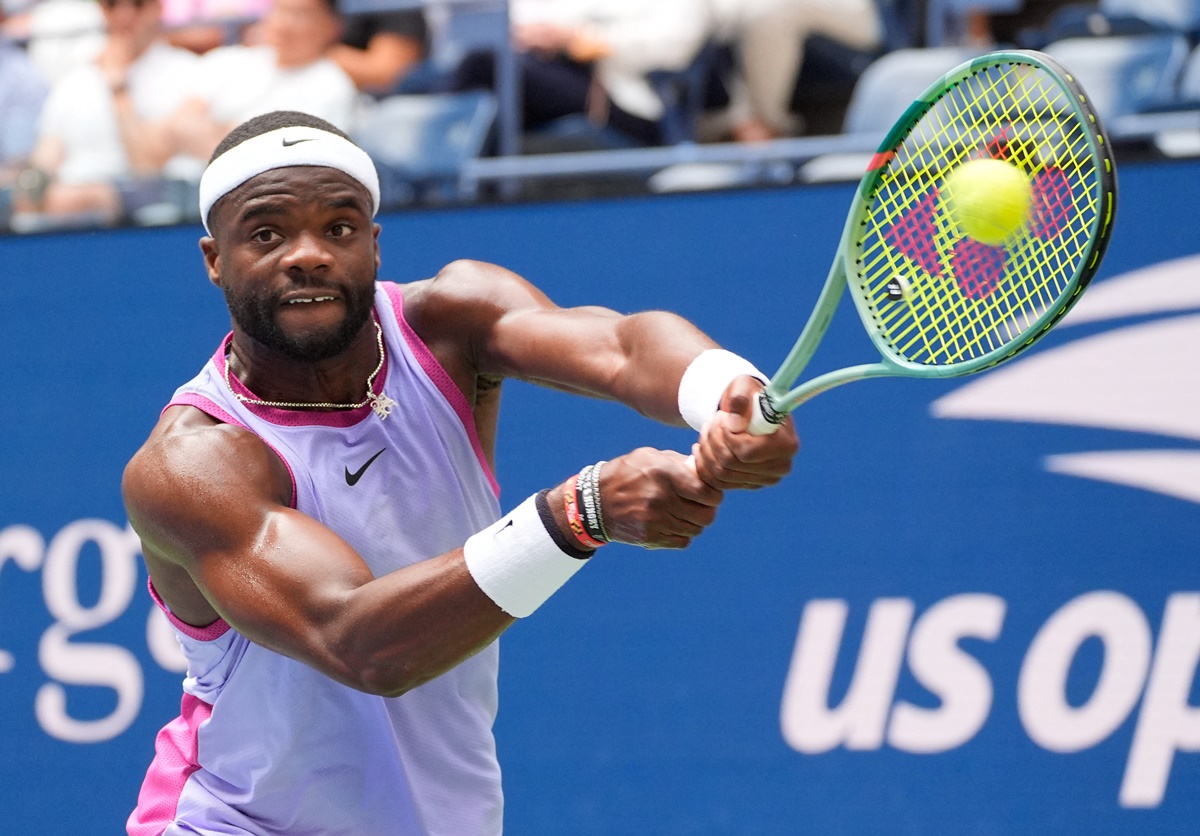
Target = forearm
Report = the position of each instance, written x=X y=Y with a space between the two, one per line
x=655 y=348
x=412 y=625
x=409 y=627
x=390 y=634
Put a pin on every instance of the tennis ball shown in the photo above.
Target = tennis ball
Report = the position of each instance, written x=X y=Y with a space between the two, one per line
x=988 y=199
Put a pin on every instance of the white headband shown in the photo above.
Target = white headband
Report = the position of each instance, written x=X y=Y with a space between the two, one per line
x=283 y=148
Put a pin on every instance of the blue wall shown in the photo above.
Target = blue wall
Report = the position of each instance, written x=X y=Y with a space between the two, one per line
x=1019 y=595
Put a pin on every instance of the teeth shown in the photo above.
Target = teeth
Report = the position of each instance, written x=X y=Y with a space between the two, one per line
x=306 y=301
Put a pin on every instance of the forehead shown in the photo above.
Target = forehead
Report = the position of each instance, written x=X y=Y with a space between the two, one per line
x=295 y=189
x=301 y=6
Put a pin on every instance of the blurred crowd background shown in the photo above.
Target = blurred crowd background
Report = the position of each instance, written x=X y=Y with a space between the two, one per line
x=109 y=109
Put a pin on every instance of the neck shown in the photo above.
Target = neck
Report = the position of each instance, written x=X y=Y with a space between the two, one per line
x=273 y=376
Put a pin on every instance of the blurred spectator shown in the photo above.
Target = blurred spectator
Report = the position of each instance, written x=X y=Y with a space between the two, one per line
x=104 y=121
x=62 y=35
x=289 y=71
x=202 y=25
x=769 y=38
x=22 y=92
x=592 y=56
x=378 y=50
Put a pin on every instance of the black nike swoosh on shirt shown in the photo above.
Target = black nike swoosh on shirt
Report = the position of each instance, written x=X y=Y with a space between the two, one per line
x=352 y=478
x=288 y=143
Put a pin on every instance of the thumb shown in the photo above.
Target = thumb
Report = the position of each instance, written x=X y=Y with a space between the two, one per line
x=737 y=411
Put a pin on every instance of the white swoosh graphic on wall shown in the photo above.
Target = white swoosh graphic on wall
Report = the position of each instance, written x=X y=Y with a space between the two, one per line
x=1172 y=472
x=1142 y=378
x=1160 y=288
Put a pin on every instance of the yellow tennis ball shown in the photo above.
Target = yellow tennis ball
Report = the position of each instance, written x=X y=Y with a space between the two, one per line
x=988 y=199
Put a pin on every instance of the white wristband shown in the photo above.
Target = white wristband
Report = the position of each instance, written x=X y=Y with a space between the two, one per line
x=516 y=561
x=706 y=380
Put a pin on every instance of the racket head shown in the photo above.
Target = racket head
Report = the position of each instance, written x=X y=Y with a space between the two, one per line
x=936 y=302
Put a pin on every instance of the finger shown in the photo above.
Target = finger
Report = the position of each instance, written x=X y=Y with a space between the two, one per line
x=719 y=461
x=687 y=483
x=738 y=402
x=669 y=542
x=687 y=517
x=769 y=453
x=713 y=464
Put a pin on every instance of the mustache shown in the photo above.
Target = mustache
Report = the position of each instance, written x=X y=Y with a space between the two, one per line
x=310 y=281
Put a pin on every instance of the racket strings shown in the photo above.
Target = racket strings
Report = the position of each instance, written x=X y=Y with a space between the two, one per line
x=976 y=268
x=962 y=299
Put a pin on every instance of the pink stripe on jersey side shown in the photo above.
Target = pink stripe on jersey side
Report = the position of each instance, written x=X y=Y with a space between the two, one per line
x=210 y=633
x=176 y=757
x=205 y=405
x=298 y=417
x=441 y=378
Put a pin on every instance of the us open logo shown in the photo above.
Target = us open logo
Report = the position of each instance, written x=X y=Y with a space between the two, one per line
x=1136 y=376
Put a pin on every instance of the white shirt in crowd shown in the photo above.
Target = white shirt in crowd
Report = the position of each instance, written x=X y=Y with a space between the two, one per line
x=240 y=82
x=80 y=113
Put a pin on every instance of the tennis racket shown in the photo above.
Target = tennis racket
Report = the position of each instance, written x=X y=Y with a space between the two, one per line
x=936 y=302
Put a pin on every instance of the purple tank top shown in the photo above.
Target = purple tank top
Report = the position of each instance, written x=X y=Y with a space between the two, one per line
x=266 y=744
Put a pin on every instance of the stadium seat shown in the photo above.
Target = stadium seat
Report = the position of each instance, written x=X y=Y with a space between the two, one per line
x=1173 y=129
x=1124 y=74
x=1189 y=79
x=883 y=93
x=1181 y=16
x=420 y=142
x=6 y=202
x=1081 y=20
x=945 y=20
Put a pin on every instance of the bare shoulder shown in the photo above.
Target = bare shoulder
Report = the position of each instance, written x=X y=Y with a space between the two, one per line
x=468 y=295
x=193 y=477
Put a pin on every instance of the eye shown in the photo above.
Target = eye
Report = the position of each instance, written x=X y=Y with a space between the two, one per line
x=264 y=236
x=340 y=230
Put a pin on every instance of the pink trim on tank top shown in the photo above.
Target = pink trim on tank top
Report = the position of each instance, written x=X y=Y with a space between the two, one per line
x=210 y=633
x=209 y=407
x=441 y=379
x=176 y=757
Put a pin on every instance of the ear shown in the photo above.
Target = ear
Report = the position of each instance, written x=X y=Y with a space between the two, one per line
x=208 y=246
x=378 y=258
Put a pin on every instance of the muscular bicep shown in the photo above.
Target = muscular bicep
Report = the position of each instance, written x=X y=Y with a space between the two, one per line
x=210 y=503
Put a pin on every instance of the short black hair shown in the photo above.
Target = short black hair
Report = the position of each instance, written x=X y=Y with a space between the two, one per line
x=273 y=121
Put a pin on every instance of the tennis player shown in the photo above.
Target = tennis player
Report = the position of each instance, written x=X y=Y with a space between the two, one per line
x=320 y=519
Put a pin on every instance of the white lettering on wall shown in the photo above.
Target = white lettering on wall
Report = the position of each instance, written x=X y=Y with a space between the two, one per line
x=949 y=673
x=809 y=724
x=88 y=663
x=24 y=546
x=1167 y=723
x=1050 y=720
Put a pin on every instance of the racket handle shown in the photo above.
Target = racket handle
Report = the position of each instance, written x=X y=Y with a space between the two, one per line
x=766 y=419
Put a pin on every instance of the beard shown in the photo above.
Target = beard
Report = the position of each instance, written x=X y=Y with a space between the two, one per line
x=255 y=315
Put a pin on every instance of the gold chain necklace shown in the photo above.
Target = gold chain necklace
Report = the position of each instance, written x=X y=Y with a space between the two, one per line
x=381 y=403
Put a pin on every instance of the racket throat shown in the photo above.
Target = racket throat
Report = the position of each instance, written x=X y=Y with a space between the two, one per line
x=831 y=380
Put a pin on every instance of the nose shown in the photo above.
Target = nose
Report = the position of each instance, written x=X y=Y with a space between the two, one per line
x=308 y=254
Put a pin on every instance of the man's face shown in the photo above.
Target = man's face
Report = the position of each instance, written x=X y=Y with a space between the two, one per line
x=296 y=253
x=137 y=20
x=301 y=31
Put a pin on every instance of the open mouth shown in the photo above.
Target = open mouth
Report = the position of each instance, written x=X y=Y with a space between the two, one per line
x=308 y=300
